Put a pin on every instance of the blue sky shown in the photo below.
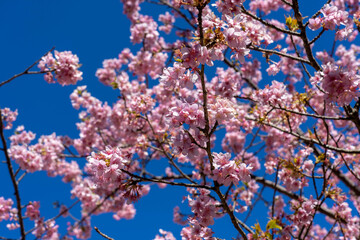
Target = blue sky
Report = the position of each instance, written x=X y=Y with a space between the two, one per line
x=94 y=30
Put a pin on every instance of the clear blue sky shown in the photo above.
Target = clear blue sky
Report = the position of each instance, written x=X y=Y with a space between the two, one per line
x=94 y=30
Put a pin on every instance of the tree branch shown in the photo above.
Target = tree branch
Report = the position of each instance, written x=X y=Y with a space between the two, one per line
x=291 y=195
x=27 y=70
x=13 y=180
x=102 y=234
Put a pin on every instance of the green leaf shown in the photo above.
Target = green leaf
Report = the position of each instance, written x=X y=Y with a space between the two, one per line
x=268 y=236
x=272 y=224
x=257 y=229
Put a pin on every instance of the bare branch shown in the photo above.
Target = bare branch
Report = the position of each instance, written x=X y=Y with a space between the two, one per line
x=280 y=54
x=27 y=70
x=102 y=234
x=303 y=36
x=310 y=140
x=159 y=180
x=243 y=10
x=13 y=180
x=291 y=195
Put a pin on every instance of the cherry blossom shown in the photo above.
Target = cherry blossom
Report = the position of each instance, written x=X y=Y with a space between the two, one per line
x=227 y=172
x=65 y=66
x=8 y=117
x=340 y=86
x=6 y=209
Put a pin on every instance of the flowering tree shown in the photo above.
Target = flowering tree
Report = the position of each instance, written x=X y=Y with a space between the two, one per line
x=225 y=133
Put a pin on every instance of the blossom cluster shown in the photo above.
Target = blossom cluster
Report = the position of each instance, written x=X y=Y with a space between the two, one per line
x=227 y=172
x=6 y=209
x=64 y=65
x=8 y=117
x=340 y=86
x=334 y=17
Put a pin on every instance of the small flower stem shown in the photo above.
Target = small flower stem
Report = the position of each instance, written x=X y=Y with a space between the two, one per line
x=103 y=234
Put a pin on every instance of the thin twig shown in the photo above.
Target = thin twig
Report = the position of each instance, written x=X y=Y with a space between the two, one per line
x=13 y=180
x=251 y=83
x=280 y=54
x=159 y=180
x=303 y=36
x=298 y=54
x=103 y=234
x=268 y=24
x=178 y=12
x=291 y=195
x=317 y=37
x=53 y=218
x=27 y=70
x=310 y=140
x=317 y=13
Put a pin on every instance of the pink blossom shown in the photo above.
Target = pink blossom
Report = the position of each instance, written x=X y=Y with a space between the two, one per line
x=70 y=171
x=107 y=74
x=291 y=180
x=229 y=7
x=146 y=62
x=333 y=17
x=278 y=206
x=172 y=108
x=274 y=94
x=65 y=67
x=12 y=226
x=273 y=69
x=315 y=23
x=233 y=141
x=8 y=117
x=171 y=75
x=26 y=158
x=168 y=20
x=191 y=114
x=340 y=86
x=145 y=28
x=178 y=217
x=140 y=103
x=6 y=210
x=343 y=211
x=303 y=212
x=267 y=6
x=46 y=229
x=344 y=33
x=126 y=212
x=22 y=137
x=164 y=235
x=237 y=38
x=308 y=166
x=226 y=83
x=203 y=207
x=196 y=231
x=222 y=110
x=131 y=8
x=192 y=57
x=227 y=171
x=105 y=167
x=32 y=211
x=324 y=57
x=81 y=231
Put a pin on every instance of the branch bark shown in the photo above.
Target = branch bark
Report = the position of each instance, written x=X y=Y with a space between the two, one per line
x=13 y=180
